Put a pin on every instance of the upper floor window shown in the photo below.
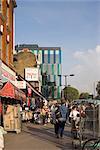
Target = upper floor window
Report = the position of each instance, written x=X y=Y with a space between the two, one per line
x=0 y=42
x=0 y=5
x=8 y=1
x=1 y=29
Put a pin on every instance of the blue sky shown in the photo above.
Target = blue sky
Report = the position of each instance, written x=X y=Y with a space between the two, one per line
x=72 y=25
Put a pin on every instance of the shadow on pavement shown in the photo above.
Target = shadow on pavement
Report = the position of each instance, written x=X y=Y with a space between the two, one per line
x=47 y=134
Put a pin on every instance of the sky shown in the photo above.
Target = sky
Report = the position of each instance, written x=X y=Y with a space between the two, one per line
x=73 y=25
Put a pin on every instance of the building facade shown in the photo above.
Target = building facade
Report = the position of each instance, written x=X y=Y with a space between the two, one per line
x=7 y=30
x=50 y=64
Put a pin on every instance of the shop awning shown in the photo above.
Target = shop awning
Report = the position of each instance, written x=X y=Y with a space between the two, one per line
x=11 y=91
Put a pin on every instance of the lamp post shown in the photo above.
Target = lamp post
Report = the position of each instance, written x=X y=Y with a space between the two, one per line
x=66 y=83
x=66 y=79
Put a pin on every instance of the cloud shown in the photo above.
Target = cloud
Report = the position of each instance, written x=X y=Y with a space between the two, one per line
x=87 y=70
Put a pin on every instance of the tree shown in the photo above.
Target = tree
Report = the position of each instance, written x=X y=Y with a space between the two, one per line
x=71 y=93
x=98 y=90
x=84 y=95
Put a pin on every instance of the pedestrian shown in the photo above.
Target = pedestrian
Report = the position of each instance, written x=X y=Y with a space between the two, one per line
x=83 y=116
x=55 y=115
x=75 y=120
x=2 y=132
x=43 y=113
x=63 y=118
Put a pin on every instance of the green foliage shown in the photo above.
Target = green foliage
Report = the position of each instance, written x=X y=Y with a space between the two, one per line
x=71 y=93
x=98 y=90
x=84 y=95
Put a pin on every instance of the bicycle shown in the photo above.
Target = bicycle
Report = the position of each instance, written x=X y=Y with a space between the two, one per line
x=91 y=144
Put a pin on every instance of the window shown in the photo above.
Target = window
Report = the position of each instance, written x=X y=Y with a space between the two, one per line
x=0 y=41
x=57 y=58
x=8 y=1
x=7 y=53
x=49 y=69
x=1 y=29
x=46 y=52
x=0 y=5
x=46 y=58
x=7 y=16
x=51 y=56
x=55 y=69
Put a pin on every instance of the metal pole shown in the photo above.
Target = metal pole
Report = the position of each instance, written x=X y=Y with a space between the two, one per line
x=65 y=80
x=94 y=89
x=66 y=86
x=98 y=120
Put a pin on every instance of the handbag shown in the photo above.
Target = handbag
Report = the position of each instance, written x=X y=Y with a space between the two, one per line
x=61 y=119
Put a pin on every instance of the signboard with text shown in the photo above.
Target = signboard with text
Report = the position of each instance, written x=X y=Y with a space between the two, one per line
x=20 y=84
x=31 y=74
x=6 y=73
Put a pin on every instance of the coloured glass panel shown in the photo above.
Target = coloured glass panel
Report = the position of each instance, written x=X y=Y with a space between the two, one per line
x=49 y=69
x=57 y=59
x=46 y=58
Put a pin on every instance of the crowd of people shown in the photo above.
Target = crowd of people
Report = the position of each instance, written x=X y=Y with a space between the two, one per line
x=72 y=114
x=61 y=113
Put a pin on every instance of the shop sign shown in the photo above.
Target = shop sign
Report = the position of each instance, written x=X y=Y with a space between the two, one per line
x=7 y=73
x=20 y=84
x=31 y=74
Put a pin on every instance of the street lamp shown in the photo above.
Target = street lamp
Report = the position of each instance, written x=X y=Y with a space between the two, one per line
x=66 y=82
x=66 y=79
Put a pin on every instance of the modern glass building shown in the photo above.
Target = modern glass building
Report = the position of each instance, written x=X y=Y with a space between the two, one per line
x=49 y=60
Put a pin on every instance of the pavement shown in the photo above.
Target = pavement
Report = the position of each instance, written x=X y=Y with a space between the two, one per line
x=38 y=137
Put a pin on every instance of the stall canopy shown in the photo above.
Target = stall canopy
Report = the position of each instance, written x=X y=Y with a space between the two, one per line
x=11 y=91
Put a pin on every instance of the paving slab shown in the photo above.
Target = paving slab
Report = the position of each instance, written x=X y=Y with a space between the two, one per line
x=38 y=137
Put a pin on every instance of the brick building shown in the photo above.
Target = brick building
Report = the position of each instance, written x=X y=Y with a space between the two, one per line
x=7 y=30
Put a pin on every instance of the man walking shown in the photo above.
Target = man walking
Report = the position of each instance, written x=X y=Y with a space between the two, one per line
x=62 y=119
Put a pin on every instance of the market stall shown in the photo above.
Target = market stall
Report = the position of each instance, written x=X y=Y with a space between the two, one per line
x=11 y=99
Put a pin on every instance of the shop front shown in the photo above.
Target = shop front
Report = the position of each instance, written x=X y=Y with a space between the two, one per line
x=11 y=99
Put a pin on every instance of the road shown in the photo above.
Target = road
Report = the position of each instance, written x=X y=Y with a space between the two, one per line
x=38 y=137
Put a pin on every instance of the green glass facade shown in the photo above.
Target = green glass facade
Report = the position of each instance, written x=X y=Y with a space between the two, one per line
x=51 y=67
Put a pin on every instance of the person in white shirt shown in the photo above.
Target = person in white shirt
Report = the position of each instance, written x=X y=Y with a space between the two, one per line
x=75 y=120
